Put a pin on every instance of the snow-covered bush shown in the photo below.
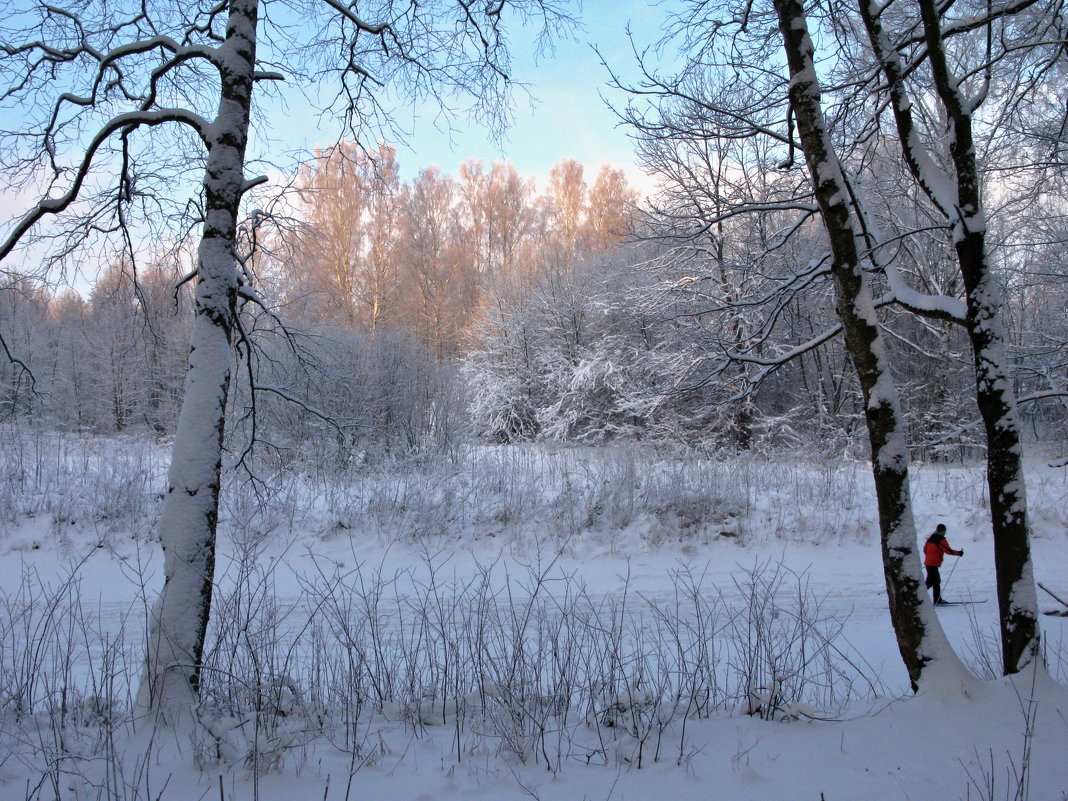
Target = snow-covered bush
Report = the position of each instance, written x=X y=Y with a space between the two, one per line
x=569 y=355
x=107 y=485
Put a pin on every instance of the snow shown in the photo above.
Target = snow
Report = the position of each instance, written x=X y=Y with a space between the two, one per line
x=881 y=746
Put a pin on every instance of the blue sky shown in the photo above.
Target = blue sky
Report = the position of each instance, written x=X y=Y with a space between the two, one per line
x=561 y=115
x=565 y=115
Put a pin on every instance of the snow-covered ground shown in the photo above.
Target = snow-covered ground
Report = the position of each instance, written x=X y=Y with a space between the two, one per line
x=790 y=576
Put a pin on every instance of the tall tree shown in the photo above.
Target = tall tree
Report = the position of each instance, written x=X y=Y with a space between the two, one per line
x=327 y=255
x=341 y=257
x=440 y=279
x=920 y=639
x=115 y=349
x=497 y=214
x=566 y=201
x=611 y=204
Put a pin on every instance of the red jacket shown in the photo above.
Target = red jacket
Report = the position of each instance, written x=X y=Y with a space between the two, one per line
x=935 y=552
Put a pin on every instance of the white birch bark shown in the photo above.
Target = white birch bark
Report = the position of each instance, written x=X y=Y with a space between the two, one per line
x=190 y=512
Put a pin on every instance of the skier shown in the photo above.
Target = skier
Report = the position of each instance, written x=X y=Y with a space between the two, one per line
x=934 y=551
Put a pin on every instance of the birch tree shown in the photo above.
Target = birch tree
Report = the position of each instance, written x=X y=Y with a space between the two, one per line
x=110 y=107
x=497 y=215
x=433 y=264
x=967 y=90
x=921 y=641
x=341 y=257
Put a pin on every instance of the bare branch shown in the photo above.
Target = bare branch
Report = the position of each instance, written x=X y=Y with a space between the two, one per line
x=122 y=123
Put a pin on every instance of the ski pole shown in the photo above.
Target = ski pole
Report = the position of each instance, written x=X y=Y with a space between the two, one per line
x=1056 y=597
x=955 y=563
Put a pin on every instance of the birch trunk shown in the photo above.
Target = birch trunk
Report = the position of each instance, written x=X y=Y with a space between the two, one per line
x=923 y=646
x=190 y=511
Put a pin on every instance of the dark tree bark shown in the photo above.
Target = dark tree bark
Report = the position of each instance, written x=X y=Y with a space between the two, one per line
x=921 y=642
x=1017 y=599
x=958 y=197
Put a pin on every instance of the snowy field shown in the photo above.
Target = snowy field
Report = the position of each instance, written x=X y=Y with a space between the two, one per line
x=516 y=624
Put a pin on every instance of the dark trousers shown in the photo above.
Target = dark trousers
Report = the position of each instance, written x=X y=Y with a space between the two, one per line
x=934 y=579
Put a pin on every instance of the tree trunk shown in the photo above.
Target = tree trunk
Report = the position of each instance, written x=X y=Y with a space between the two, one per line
x=1017 y=599
x=921 y=641
x=190 y=512
x=963 y=208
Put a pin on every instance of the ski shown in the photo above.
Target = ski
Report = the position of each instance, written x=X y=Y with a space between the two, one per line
x=961 y=603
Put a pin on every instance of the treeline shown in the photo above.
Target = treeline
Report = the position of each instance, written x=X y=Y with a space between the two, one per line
x=388 y=283
x=423 y=312
x=107 y=363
